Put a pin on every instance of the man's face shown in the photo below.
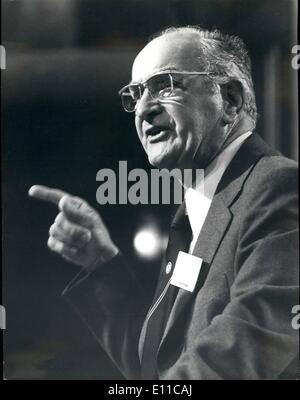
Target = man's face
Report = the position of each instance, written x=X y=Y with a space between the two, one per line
x=174 y=129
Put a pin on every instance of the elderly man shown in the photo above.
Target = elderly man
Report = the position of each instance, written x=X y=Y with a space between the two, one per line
x=194 y=104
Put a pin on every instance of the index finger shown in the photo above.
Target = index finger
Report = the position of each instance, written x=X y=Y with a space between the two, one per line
x=47 y=194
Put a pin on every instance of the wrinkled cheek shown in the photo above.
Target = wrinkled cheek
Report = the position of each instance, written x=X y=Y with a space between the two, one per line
x=140 y=133
x=144 y=142
x=138 y=127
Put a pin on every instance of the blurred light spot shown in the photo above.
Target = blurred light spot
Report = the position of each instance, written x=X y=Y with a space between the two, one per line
x=147 y=243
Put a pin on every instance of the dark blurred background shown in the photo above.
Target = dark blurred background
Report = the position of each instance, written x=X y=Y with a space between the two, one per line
x=62 y=122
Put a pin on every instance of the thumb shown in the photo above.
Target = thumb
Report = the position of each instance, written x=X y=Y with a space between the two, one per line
x=79 y=211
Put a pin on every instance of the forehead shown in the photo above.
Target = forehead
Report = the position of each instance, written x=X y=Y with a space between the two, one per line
x=172 y=51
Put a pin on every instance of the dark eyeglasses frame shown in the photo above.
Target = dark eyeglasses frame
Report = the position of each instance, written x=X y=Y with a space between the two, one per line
x=143 y=85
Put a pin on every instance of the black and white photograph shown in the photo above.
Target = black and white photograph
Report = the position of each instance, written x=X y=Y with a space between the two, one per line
x=150 y=191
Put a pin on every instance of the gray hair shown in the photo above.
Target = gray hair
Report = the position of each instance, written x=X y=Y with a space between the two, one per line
x=226 y=57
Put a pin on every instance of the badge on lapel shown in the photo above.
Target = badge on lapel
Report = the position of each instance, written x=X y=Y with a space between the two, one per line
x=186 y=271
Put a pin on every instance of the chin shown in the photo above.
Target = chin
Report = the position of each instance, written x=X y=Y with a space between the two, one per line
x=164 y=154
x=160 y=161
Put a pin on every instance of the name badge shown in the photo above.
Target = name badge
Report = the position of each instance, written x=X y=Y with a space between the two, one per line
x=186 y=271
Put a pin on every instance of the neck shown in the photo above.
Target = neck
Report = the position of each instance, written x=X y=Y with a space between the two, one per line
x=202 y=159
x=241 y=127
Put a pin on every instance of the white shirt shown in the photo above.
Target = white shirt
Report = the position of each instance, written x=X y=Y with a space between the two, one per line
x=198 y=200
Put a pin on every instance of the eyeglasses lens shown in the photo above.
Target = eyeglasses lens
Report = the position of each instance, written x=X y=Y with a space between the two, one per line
x=159 y=86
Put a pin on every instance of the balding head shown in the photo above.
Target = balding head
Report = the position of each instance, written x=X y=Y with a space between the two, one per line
x=176 y=50
x=225 y=56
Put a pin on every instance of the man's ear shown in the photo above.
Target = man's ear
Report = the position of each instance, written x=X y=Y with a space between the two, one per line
x=233 y=99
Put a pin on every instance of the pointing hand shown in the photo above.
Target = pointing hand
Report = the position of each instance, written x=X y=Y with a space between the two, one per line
x=78 y=233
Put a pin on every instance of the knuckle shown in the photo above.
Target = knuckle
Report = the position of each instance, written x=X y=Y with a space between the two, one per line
x=59 y=218
x=90 y=210
x=76 y=202
x=82 y=205
x=55 y=245
x=52 y=229
x=50 y=242
x=73 y=204
x=62 y=223
x=64 y=201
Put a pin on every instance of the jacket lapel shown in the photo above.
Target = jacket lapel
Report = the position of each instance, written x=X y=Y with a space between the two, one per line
x=218 y=218
x=213 y=230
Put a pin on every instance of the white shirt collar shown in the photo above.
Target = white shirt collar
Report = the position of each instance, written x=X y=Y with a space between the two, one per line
x=198 y=200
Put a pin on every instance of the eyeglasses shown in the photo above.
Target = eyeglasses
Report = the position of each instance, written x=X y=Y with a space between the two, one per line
x=160 y=86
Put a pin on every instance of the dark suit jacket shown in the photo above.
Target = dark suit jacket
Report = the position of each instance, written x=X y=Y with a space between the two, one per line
x=237 y=322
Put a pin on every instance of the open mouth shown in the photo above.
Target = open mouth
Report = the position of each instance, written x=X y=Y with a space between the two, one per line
x=162 y=135
x=157 y=134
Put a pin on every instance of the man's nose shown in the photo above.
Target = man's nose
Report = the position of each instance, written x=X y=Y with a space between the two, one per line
x=147 y=107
